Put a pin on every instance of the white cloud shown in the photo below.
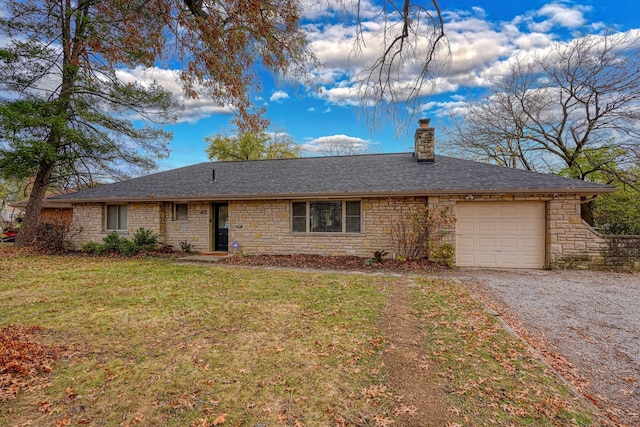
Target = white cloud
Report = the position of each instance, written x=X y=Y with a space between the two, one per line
x=338 y=9
x=336 y=144
x=456 y=107
x=278 y=96
x=194 y=109
x=560 y=15
x=480 y=49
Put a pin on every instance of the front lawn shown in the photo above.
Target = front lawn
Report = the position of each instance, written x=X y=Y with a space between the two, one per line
x=150 y=342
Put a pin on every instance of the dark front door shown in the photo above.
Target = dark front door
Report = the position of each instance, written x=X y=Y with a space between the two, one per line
x=221 y=228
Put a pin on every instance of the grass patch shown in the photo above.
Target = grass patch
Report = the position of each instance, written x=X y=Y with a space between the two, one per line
x=490 y=376
x=151 y=342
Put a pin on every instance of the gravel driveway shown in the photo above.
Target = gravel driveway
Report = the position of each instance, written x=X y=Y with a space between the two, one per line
x=591 y=319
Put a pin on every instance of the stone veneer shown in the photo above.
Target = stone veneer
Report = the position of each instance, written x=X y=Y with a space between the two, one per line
x=264 y=227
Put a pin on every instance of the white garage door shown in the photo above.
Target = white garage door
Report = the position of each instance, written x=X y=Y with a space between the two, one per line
x=497 y=234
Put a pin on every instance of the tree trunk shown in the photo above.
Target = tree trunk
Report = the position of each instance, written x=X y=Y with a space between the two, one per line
x=34 y=206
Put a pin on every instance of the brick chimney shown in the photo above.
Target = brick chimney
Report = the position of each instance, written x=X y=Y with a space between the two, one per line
x=424 y=150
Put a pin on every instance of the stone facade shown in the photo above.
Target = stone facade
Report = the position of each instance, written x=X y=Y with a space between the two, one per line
x=264 y=227
x=574 y=244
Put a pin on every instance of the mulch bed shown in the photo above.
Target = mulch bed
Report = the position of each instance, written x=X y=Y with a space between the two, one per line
x=348 y=263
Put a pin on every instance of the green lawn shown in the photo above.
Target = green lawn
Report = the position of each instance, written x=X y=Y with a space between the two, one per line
x=150 y=342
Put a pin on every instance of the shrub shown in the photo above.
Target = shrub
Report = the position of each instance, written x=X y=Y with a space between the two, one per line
x=127 y=248
x=443 y=253
x=408 y=236
x=145 y=240
x=618 y=213
x=111 y=243
x=422 y=233
x=52 y=236
x=186 y=247
x=90 y=248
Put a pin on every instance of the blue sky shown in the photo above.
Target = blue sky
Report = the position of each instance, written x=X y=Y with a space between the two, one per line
x=483 y=36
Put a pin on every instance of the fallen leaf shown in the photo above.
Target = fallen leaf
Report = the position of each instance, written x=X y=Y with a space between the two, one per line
x=220 y=419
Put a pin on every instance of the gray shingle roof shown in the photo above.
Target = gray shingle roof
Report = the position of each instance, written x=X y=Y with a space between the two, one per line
x=361 y=175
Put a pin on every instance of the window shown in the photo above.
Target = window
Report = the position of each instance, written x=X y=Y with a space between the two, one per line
x=353 y=217
x=325 y=217
x=116 y=217
x=181 y=212
x=299 y=217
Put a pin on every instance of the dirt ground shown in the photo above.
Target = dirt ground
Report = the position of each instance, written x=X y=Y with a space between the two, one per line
x=413 y=380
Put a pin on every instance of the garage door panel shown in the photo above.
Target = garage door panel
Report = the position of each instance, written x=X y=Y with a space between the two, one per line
x=487 y=258
x=500 y=234
x=466 y=226
x=486 y=243
x=511 y=243
x=510 y=260
x=508 y=211
x=465 y=242
x=529 y=243
x=465 y=259
x=529 y=225
x=465 y=210
x=486 y=226
x=509 y=226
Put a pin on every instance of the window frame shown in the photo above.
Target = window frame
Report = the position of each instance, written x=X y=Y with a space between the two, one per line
x=307 y=217
x=175 y=211
x=119 y=225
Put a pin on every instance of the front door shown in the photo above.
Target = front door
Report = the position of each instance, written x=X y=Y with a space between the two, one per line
x=221 y=227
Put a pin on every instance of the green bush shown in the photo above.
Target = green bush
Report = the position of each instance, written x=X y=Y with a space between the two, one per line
x=91 y=248
x=618 y=213
x=111 y=243
x=145 y=240
x=443 y=253
x=127 y=248
x=114 y=243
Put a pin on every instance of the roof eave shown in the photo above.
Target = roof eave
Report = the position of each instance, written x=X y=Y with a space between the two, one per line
x=275 y=196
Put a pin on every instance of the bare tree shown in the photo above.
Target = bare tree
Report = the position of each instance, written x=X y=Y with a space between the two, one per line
x=574 y=110
x=413 y=48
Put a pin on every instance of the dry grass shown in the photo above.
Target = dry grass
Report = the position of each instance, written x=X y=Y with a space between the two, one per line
x=149 y=342
x=154 y=343
x=491 y=377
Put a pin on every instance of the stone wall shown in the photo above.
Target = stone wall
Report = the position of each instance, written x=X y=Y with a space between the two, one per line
x=574 y=244
x=196 y=230
x=88 y=223
x=143 y=215
x=264 y=227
